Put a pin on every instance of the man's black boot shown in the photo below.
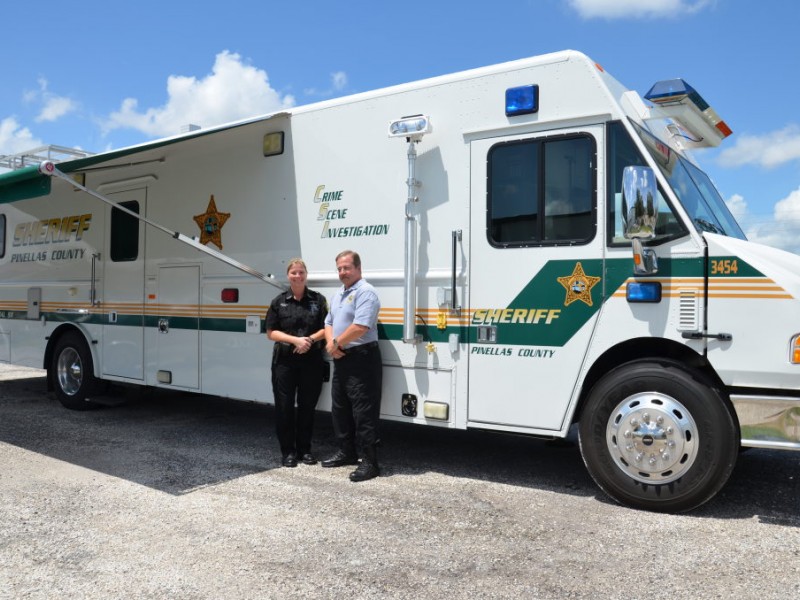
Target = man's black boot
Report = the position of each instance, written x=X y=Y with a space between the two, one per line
x=368 y=469
x=340 y=459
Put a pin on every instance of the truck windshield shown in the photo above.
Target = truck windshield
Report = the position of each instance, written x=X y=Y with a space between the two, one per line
x=694 y=189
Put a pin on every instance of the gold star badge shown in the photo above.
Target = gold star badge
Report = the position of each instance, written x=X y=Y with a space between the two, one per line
x=578 y=285
x=210 y=224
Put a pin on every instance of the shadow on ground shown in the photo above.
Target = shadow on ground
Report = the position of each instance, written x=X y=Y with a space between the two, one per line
x=177 y=442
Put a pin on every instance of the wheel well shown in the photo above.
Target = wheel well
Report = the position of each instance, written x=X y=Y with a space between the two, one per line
x=655 y=349
x=57 y=334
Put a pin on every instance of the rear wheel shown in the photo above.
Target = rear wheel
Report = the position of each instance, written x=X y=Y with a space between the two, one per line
x=657 y=436
x=72 y=372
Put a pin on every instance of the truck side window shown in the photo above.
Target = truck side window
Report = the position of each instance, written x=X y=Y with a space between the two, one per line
x=541 y=192
x=124 y=233
x=622 y=152
x=2 y=236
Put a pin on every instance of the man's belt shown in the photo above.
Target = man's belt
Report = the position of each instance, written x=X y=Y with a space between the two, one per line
x=361 y=348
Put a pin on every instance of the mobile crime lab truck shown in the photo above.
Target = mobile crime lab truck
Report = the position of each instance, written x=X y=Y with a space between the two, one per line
x=545 y=249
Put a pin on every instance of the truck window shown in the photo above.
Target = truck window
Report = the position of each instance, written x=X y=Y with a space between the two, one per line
x=541 y=192
x=622 y=152
x=2 y=236
x=124 y=233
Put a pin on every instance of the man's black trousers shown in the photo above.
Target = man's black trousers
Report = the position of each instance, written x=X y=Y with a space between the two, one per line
x=356 y=397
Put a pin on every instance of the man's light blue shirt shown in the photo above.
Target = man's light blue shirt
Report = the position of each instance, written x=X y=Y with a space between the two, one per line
x=357 y=304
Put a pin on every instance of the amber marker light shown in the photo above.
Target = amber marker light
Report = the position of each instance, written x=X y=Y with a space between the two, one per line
x=796 y=350
x=273 y=143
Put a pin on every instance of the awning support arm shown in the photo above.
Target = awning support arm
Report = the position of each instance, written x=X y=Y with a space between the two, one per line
x=48 y=168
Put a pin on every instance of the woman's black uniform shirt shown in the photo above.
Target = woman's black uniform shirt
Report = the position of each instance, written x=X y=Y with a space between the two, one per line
x=300 y=318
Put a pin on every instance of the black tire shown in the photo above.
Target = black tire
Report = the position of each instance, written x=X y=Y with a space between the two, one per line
x=72 y=372
x=657 y=436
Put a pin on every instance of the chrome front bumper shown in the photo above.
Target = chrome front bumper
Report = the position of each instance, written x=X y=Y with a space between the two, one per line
x=768 y=421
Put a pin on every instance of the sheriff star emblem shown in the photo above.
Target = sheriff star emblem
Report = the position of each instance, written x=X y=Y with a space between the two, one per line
x=210 y=224
x=578 y=285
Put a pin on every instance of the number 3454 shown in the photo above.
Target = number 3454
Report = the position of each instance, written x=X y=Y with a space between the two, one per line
x=724 y=267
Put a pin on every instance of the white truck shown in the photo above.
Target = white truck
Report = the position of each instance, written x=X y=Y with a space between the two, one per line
x=546 y=251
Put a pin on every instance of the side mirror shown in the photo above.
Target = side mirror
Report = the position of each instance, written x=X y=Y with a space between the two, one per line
x=639 y=203
x=639 y=215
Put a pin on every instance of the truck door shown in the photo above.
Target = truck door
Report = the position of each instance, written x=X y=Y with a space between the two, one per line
x=123 y=288
x=178 y=325
x=535 y=275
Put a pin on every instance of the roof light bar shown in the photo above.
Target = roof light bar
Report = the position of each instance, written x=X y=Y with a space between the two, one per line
x=680 y=101
x=674 y=90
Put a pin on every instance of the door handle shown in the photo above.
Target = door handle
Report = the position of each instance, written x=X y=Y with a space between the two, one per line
x=163 y=326
x=455 y=307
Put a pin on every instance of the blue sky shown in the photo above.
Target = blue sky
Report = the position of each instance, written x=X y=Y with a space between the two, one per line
x=105 y=75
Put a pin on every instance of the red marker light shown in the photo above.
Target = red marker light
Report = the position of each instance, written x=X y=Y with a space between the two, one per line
x=230 y=295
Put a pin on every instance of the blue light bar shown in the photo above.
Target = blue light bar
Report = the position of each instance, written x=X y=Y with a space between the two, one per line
x=522 y=100
x=671 y=93
x=675 y=90
x=641 y=291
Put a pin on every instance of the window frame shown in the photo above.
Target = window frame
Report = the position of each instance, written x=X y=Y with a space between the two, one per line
x=116 y=213
x=610 y=191
x=541 y=141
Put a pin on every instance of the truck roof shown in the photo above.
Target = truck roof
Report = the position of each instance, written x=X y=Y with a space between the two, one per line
x=27 y=182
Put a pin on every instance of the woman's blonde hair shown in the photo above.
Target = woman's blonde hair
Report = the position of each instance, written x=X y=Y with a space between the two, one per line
x=296 y=261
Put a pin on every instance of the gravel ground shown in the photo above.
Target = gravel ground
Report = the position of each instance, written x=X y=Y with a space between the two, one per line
x=180 y=496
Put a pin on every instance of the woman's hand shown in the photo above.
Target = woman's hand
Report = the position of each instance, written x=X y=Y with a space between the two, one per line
x=302 y=344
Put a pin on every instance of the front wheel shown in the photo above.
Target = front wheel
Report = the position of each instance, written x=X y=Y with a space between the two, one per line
x=657 y=436
x=72 y=372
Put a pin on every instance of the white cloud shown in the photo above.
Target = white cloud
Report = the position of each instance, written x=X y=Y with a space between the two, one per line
x=14 y=138
x=789 y=208
x=780 y=230
x=338 y=84
x=232 y=91
x=787 y=222
x=339 y=80
x=738 y=207
x=768 y=150
x=636 y=9
x=53 y=106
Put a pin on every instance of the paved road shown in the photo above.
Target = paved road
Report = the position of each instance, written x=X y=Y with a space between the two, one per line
x=180 y=496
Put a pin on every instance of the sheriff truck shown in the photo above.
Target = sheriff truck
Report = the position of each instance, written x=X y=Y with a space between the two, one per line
x=547 y=252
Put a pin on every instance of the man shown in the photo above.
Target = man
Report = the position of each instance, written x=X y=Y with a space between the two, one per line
x=351 y=335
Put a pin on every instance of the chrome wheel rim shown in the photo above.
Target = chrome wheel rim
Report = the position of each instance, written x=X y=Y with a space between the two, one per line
x=69 y=371
x=652 y=438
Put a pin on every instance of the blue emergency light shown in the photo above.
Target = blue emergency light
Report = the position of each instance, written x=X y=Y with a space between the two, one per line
x=672 y=94
x=522 y=100
x=675 y=90
x=643 y=291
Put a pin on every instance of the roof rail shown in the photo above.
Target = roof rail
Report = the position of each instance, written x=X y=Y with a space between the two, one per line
x=38 y=155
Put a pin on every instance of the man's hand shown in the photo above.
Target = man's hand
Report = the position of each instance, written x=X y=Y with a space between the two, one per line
x=334 y=350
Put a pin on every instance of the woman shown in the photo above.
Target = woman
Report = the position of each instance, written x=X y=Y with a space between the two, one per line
x=295 y=322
